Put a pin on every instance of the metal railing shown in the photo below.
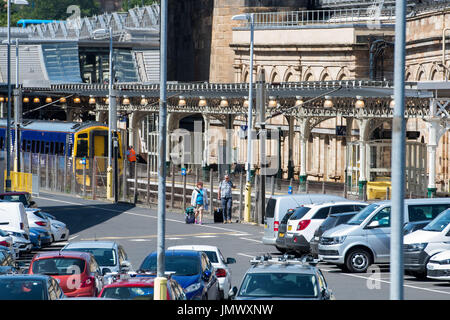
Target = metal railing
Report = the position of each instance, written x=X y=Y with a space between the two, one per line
x=323 y=17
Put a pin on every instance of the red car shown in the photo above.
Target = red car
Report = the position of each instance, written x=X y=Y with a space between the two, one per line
x=78 y=273
x=140 y=288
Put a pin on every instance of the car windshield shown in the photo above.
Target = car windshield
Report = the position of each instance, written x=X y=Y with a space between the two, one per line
x=104 y=257
x=286 y=285
x=15 y=198
x=286 y=217
x=21 y=289
x=181 y=265
x=363 y=214
x=128 y=293
x=60 y=266
x=439 y=223
x=212 y=255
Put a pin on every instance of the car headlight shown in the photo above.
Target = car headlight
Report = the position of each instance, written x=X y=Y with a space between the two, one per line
x=415 y=247
x=57 y=226
x=193 y=287
x=332 y=240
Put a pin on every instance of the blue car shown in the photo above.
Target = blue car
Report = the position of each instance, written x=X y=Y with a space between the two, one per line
x=35 y=238
x=191 y=269
x=46 y=237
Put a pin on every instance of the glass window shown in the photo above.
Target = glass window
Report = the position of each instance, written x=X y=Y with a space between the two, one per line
x=299 y=213
x=59 y=266
x=363 y=214
x=82 y=148
x=128 y=293
x=425 y=212
x=439 y=223
x=47 y=147
x=20 y=289
x=342 y=209
x=212 y=256
x=181 y=265
x=285 y=285
x=287 y=216
x=359 y=207
x=322 y=213
x=383 y=217
x=270 y=208
x=103 y=257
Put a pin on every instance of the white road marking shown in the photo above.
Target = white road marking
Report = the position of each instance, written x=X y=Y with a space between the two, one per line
x=244 y=255
x=173 y=238
x=205 y=236
x=74 y=237
x=139 y=240
x=254 y=240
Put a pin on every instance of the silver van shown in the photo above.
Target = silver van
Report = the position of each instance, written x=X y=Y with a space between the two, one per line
x=277 y=206
x=365 y=239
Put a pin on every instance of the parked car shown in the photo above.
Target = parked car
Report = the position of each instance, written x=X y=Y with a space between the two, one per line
x=29 y=287
x=282 y=228
x=8 y=263
x=191 y=269
x=222 y=270
x=21 y=241
x=282 y=279
x=308 y=218
x=277 y=207
x=58 y=229
x=13 y=217
x=36 y=219
x=365 y=239
x=110 y=256
x=46 y=237
x=35 y=238
x=77 y=272
x=438 y=267
x=24 y=197
x=421 y=246
x=332 y=221
x=140 y=288
x=5 y=239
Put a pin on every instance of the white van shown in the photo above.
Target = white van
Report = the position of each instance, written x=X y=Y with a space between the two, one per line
x=277 y=206
x=422 y=245
x=365 y=239
x=13 y=219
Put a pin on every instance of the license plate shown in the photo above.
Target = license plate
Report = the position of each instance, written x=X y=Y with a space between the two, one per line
x=430 y=267
x=316 y=238
x=281 y=235
x=265 y=226
x=289 y=228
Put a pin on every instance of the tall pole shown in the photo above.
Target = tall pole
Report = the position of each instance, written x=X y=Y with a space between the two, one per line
x=398 y=156
x=8 y=117
x=261 y=102
x=17 y=113
x=248 y=187
x=161 y=281
x=112 y=121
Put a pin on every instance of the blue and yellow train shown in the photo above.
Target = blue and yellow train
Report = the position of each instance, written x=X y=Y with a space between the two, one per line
x=71 y=139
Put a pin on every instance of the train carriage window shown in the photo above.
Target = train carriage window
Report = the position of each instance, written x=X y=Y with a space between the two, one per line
x=1 y=142
x=47 y=147
x=42 y=143
x=33 y=146
x=82 y=148
x=52 y=148
x=28 y=146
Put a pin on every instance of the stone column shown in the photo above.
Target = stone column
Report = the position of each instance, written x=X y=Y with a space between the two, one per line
x=291 y=147
x=435 y=132
x=363 y=136
x=303 y=137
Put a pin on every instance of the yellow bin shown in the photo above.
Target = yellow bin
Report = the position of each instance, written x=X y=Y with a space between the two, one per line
x=377 y=189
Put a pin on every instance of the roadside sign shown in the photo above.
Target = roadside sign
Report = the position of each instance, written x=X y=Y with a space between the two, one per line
x=183 y=171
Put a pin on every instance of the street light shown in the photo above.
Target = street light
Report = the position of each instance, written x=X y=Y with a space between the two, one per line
x=112 y=116
x=249 y=17
x=8 y=117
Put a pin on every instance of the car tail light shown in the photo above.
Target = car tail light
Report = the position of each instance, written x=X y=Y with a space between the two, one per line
x=41 y=223
x=88 y=282
x=276 y=224
x=220 y=273
x=302 y=225
x=4 y=243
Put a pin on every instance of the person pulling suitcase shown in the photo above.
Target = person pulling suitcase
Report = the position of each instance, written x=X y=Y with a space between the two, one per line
x=199 y=200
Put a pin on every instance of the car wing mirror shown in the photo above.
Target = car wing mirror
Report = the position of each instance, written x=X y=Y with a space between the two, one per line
x=206 y=275
x=232 y=293
x=125 y=266
x=32 y=203
x=373 y=224
x=231 y=260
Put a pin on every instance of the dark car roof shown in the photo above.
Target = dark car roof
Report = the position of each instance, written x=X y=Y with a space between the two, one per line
x=289 y=268
x=133 y=282
x=180 y=253
x=25 y=276
x=13 y=193
x=341 y=214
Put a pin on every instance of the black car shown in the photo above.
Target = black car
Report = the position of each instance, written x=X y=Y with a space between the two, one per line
x=282 y=228
x=29 y=287
x=331 y=221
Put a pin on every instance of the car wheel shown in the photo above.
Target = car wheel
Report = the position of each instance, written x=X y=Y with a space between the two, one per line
x=282 y=250
x=358 y=260
x=419 y=274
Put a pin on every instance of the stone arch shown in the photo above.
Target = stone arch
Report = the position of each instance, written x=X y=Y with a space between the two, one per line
x=274 y=76
x=408 y=75
x=343 y=75
x=325 y=75
x=421 y=74
x=289 y=75
x=308 y=75
x=435 y=73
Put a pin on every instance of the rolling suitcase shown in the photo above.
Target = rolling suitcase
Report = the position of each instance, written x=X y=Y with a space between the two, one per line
x=190 y=215
x=218 y=216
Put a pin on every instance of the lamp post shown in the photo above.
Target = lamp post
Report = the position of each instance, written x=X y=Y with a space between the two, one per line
x=8 y=117
x=249 y=17
x=111 y=193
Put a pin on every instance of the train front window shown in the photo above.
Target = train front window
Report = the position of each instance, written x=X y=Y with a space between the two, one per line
x=82 y=149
